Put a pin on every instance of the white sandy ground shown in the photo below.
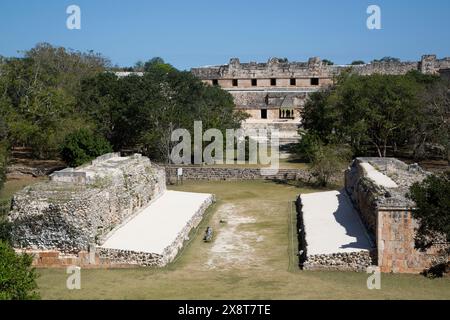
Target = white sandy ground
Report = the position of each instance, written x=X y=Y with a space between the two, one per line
x=158 y=225
x=378 y=177
x=332 y=225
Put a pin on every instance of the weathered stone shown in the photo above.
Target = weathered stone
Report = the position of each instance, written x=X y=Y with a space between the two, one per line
x=81 y=206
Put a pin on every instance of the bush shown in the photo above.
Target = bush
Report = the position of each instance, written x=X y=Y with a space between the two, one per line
x=17 y=277
x=82 y=146
x=329 y=160
x=432 y=198
x=308 y=146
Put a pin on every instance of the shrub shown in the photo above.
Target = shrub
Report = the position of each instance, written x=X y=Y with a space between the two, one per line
x=327 y=161
x=17 y=277
x=82 y=146
x=308 y=146
x=432 y=198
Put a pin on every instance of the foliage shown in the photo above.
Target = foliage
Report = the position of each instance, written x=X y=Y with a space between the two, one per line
x=3 y=162
x=432 y=198
x=380 y=112
x=37 y=96
x=17 y=277
x=327 y=62
x=387 y=59
x=329 y=160
x=308 y=147
x=141 y=112
x=82 y=146
x=357 y=62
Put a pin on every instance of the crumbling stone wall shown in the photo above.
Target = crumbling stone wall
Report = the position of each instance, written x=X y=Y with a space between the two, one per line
x=77 y=208
x=227 y=174
x=387 y=214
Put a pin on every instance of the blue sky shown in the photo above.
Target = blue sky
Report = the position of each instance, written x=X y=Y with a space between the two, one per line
x=189 y=33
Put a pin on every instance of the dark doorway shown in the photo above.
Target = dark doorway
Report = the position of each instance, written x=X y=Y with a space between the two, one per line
x=263 y=113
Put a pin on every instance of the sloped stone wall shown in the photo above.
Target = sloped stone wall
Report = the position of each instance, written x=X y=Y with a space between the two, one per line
x=119 y=257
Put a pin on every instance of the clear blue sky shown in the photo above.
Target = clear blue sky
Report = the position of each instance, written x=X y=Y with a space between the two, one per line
x=189 y=33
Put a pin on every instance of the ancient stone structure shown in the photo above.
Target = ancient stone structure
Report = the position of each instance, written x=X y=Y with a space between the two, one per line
x=230 y=174
x=79 y=207
x=64 y=220
x=331 y=235
x=378 y=188
x=274 y=93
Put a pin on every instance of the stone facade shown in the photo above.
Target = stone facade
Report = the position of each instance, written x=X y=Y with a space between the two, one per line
x=386 y=212
x=275 y=92
x=77 y=208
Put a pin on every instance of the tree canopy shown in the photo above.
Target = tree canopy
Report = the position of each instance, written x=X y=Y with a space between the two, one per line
x=52 y=93
x=432 y=209
x=381 y=113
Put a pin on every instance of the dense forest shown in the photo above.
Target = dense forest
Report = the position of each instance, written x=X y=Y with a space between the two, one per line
x=65 y=103
x=380 y=115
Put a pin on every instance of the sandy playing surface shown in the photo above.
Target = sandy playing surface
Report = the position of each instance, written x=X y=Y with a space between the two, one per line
x=158 y=225
x=332 y=225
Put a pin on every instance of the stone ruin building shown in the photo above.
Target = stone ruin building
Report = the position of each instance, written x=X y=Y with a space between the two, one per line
x=109 y=212
x=274 y=93
x=367 y=223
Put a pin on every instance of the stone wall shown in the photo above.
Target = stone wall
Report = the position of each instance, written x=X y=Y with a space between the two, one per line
x=69 y=214
x=276 y=68
x=395 y=244
x=351 y=261
x=219 y=173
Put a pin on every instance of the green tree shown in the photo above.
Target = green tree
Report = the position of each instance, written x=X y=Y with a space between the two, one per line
x=432 y=209
x=37 y=95
x=327 y=62
x=387 y=59
x=329 y=160
x=357 y=62
x=82 y=146
x=379 y=111
x=17 y=276
x=140 y=113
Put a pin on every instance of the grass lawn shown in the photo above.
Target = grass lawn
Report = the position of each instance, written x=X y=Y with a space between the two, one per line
x=13 y=185
x=251 y=257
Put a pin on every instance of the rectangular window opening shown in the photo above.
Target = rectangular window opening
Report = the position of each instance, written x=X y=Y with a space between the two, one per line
x=314 y=81
x=273 y=82
x=254 y=82
x=293 y=82
x=263 y=113
x=235 y=82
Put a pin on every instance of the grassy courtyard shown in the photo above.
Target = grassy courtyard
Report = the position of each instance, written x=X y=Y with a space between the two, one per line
x=252 y=256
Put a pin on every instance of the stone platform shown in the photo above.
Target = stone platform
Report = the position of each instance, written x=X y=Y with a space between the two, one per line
x=155 y=235
x=334 y=237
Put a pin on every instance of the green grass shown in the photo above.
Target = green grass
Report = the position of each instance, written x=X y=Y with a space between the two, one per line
x=261 y=265
x=14 y=185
